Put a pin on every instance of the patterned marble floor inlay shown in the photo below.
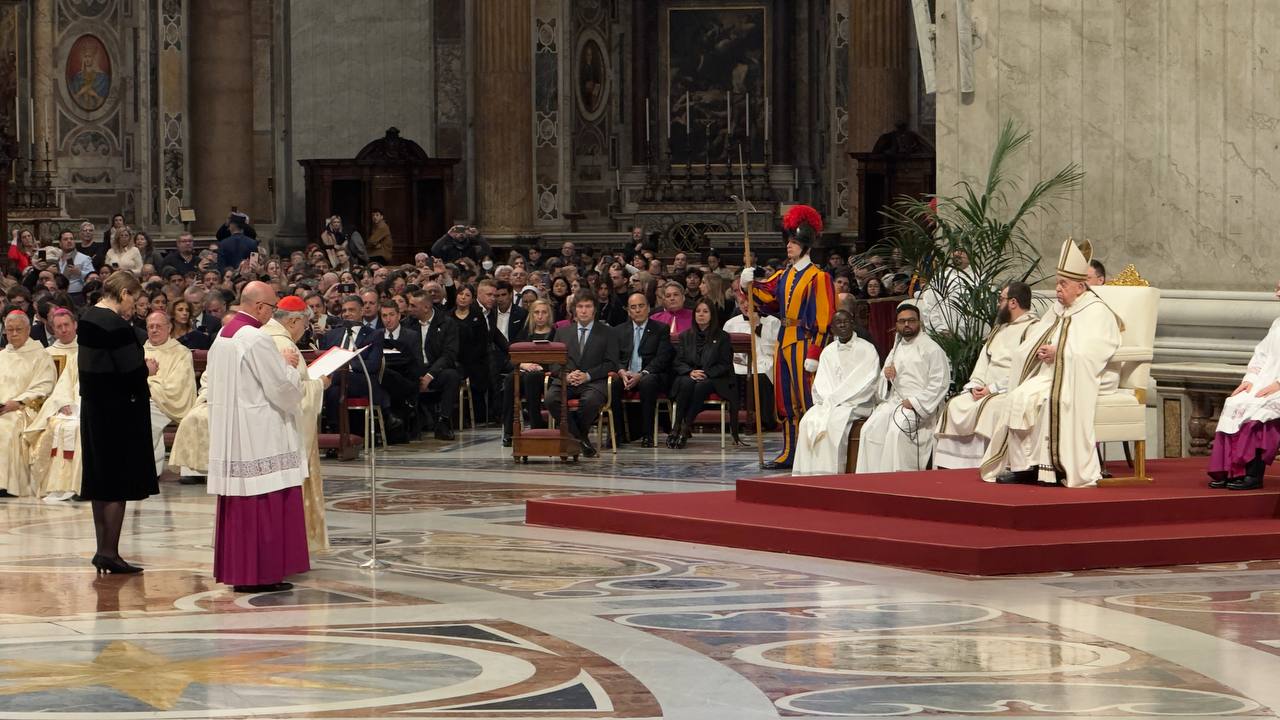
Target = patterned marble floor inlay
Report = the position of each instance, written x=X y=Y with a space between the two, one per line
x=481 y=616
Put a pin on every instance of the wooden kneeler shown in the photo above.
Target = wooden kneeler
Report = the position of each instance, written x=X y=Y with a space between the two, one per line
x=851 y=456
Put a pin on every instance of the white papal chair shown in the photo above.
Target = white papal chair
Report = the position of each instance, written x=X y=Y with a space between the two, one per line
x=1122 y=414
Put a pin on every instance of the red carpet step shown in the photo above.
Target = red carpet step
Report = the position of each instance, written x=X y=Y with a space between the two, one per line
x=947 y=520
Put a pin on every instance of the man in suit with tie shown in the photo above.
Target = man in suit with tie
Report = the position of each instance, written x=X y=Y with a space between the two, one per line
x=438 y=385
x=353 y=335
x=592 y=355
x=402 y=354
x=369 y=302
x=510 y=318
x=645 y=356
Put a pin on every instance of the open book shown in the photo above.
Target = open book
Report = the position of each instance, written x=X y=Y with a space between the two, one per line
x=330 y=361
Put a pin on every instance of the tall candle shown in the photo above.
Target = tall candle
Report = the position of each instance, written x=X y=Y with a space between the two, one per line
x=646 y=119
x=766 y=118
x=748 y=106
x=688 y=126
x=668 y=119
x=728 y=111
x=617 y=179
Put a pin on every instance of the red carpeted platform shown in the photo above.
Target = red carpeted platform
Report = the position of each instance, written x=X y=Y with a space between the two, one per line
x=947 y=520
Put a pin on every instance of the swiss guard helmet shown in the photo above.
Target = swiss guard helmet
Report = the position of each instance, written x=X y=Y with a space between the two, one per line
x=802 y=224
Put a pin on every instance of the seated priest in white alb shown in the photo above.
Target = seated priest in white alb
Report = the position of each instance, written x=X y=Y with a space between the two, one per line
x=844 y=391
x=173 y=385
x=190 y=451
x=910 y=391
x=27 y=376
x=54 y=435
x=1248 y=433
x=1057 y=376
x=972 y=416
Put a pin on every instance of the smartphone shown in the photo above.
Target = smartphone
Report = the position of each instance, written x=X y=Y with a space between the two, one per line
x=346 y=287
x=253 y=258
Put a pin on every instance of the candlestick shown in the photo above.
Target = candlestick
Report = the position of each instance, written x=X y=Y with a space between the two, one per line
x=766 y=119
x=728 y=111
x=617 y=179
x=31 y=119
x=668 y=119
x=688 y=126
x=646 y=119
x=748 y=107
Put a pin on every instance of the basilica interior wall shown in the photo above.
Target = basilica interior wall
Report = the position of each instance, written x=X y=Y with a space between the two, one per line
x=1171 y=108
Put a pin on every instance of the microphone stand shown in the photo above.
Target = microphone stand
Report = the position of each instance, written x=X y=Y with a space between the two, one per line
x=373 y=563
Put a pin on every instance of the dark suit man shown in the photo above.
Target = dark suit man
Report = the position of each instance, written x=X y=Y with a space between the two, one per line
x=593 y=354
x=369 y=309
x=402 y=355
x=438 y=350
x=353 y=336
x=644 y=368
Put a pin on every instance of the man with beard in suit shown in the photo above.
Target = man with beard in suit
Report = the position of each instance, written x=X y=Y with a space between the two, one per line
x=645 y=356
x=593 y=354
x=351 y=334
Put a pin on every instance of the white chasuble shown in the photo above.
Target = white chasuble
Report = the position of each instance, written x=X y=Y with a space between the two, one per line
x=54 y=436
x=894 y=437
x=27 y=376
x=1051 y=405
x=254 y=400
x=1263 y=369
x=844 y=391
x=308 y=421
x=173 y=387
x=967 y=423
x=190 y=449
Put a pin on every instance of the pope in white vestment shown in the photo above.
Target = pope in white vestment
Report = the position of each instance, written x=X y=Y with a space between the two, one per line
x=1248 y=431
x=173 y=386
x=27 y=376
x=970 y=418
x=844 y=391
x=910 y=391
x=255 y=460
x=54 y=435
x=1056 y=377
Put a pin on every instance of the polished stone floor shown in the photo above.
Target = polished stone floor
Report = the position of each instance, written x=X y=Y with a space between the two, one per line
x=481 y=616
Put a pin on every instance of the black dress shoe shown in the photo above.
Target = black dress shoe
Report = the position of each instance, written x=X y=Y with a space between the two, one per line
x=1248 y=482
x=6 y=494
x=589 y=450
x=115 y=566
x=775 y=465
x=646 y=442
x=1223 y=482
x=443 y=431
x=506 y=441
x=197 y=479
x=272 y=587
x=1021 y=477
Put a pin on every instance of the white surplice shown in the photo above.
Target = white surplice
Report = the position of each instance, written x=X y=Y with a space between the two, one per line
x=966 y=424
x=1263 y=369
x=844 y=390
x=54 y=436
x=173 y=390
x=254 y=399
x=190 y=451
x=27 y=376
x=1051 y=406
x=895 y=438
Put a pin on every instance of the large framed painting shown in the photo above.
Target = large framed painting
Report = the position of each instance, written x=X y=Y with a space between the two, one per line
x=592 y=76
x=88 y=75
x=718 y=67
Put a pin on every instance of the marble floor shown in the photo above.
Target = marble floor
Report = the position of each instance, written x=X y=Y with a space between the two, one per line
x=481 y=616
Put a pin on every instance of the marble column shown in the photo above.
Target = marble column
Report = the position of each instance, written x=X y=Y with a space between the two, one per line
x=42 y=84
x=504 y=115
x=880 y=70
x=221 y=72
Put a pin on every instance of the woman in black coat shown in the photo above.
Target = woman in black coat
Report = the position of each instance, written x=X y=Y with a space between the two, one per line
x=473 y=348
x=115 y=418
x=704 y=364
x=539 y=327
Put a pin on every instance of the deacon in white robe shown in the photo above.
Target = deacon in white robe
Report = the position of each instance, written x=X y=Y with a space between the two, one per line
x=173 y=386
x=190 y=451
x=899 y=433
x=966 y=425
x=292 y=317
x=1057 y=375
x=940 y=302
x=27 y=376
x=1248 y=432
x=54 y=436
x=844 y=391
x=255 y=460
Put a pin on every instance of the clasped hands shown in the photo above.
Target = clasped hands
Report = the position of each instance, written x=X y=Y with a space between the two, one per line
x=1267 y=391
x=629 y=379
x=577 y=377
x=1047 y=353
x=9 y=407
x=153 y=367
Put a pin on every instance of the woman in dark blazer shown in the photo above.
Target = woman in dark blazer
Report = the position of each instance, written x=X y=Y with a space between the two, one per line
x=539 y=327
x=115 y=419
x=473 y=348
x=703 y=365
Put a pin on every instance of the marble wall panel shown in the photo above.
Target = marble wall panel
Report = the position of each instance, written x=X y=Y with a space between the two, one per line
x=1170 y=106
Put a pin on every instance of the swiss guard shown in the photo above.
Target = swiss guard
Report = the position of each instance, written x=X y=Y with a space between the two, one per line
x=804 y=300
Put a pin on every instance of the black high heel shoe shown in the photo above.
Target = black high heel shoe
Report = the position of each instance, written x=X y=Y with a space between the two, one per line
x=115 y=567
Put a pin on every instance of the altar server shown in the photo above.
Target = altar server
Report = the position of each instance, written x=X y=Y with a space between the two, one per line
x=1057 y=375
x=27 y=376
x=54 y=436
x=1248 y=433
x=291 y=320
x=844 y=390
x=255 y=465
x=173 y=386
x=899 y=433
x=971 y=417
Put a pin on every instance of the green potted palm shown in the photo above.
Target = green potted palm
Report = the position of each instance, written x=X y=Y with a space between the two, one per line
x=964 y=247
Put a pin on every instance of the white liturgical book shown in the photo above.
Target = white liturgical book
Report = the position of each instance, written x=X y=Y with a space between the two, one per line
x=330 y=361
